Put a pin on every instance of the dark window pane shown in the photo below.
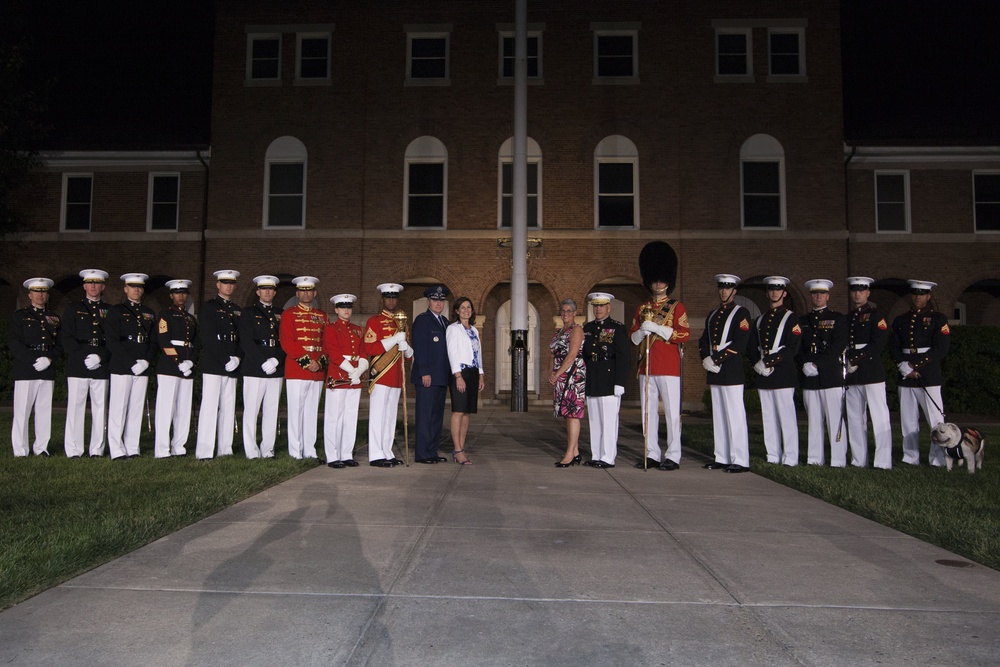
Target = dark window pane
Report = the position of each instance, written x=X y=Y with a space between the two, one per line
x=507 y=178
x=615 y=211
x=78 y=190
x=614 y=45
x=785 y=43
x=165 y=188
x=427 y=69
x=164 y=216
x=890 y=188
x=614 y=67
x=314 y=47
x=286 y=179
x=265 y=48
x=532 y=178
x=508 y=47
x=761 y=177
x=426 y=212
x=506 y=212
x=732 y=65
x=77 y=216
x=733 y=44
x=988 y=217
x=427 y=47
x=615 y=178
x=264 y=69
x=891 y=217
x=284 y=212
x=426 y=179
x=761 y=211
x=313 y=69
x=532 y=211
x=785 y=65
x=987 y=187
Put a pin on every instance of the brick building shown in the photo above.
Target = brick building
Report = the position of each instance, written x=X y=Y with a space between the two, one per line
x=366 y=142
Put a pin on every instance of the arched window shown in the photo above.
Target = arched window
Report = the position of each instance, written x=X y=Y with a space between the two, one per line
x=762 y=183
x=505 y=177
x=425 y=182
x=285 y=183
x=616 y=183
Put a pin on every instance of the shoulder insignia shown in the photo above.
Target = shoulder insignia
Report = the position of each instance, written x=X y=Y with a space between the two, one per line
x=882 y=324
x=682 y=321
x=370 y=335
x=945 y=330
x=163 y=326
x=744 y=325
x=797 y=330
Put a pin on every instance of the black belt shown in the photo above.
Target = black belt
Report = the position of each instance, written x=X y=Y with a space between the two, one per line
x=594 y=356
x=93 y=342
x=138 y=338
x=226 y=337
x=269 y=342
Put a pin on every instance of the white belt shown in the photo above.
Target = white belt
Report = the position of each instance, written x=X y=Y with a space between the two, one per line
x=180 y=343
x=859 y=346
x=919 y=350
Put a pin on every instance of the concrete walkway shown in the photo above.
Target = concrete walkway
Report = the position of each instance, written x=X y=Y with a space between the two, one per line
x=513 y=562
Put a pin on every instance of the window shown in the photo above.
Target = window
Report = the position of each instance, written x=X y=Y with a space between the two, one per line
x=786 y=55
x=616 y=178
x=313 y=56
x=427 y=55
x=506 y=157
x=892 y=201
x=987 y=198
x=76 y=202
x=264 y=58
x=534 y=61
x=616 y=52
x=733 y=52
x=285 y=183
x=425 y=184
x=163 y=204
x=762 y=183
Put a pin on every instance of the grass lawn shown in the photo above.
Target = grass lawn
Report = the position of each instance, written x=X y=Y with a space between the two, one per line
x=957 y=511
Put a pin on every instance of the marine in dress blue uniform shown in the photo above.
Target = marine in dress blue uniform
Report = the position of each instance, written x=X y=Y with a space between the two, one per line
x=722 y=346
x=867 y=335
x=429 y=374
x=129 y=331
x=88 y=370
x=32 y=338
x=919 y=343
x=263 y=368
x=775 y=340
x=607 y=357
x=221 y=355
x=177 y=338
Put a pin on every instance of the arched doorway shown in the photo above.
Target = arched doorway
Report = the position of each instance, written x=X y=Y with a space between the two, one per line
x=503 y=348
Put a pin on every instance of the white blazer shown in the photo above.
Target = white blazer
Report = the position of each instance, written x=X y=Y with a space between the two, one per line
x=460 y=347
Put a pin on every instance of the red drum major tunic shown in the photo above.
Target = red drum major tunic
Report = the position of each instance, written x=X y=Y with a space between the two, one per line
x=382 y=326
x=301 y=335
x=666 y=358
x=340 y=339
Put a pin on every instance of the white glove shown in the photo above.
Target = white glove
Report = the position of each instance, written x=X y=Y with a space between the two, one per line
x=186 y=374
x=269 y=366
x=660 y=330
x=408 y=352
x=809 y=369
x=139 y=367
x=404 y=346
x=185 y=367
x=233 y=363
x=762 y=369
x=638 y=335
x=387 y=343
x=710 y=365
x=851 y=369
x=905 y=368
x=347 y=366
x=92 y=362
x=362 y=366
x=41 y=363
x=619 y=390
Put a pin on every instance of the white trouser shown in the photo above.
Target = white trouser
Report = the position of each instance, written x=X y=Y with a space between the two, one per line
x=382 y=408
x=303 y=412
x=217 y=415
x=173 y=408
x=823 y=408
x=910 y=399
x=258 y=393
x=76 y=405
x=28 y=395
x=665 y=390
x=872 y=396
x=781 y=431
x=729 y=422
x=602 y=413
x=340 y=423
x=128 y=397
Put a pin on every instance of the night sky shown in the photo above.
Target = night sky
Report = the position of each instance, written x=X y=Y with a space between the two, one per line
x=137 y=74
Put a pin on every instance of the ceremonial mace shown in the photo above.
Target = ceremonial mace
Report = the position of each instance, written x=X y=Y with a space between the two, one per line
x=400 y=318
x=648 y=314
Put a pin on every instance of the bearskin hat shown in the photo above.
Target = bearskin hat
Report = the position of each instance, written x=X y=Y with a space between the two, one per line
x=658 y=262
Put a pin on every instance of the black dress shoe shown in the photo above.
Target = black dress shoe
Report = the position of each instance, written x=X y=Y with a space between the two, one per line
x=668 y=465
x=43 y=453
x=397 y=462
x=380 y=463
x=336 y=464
x=590 y=463
x=350 y=463
x=433 y=460
x=715 y=465
x=735 y=468
x=440 y=459
x=647 y=463
x=602 y=464
x=133 y=456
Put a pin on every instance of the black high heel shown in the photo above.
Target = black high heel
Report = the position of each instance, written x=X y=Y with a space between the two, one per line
x=575 y=461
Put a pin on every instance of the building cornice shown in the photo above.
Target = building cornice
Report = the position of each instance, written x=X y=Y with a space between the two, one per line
x=896 y=155
x=105 y=159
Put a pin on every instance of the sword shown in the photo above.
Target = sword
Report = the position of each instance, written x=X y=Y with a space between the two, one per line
x=843 y=395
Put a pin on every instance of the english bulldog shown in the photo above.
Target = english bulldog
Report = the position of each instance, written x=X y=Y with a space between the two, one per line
x=960 y=444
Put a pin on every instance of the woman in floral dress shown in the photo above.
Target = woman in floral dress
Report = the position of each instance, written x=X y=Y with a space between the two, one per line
x=568 y=380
